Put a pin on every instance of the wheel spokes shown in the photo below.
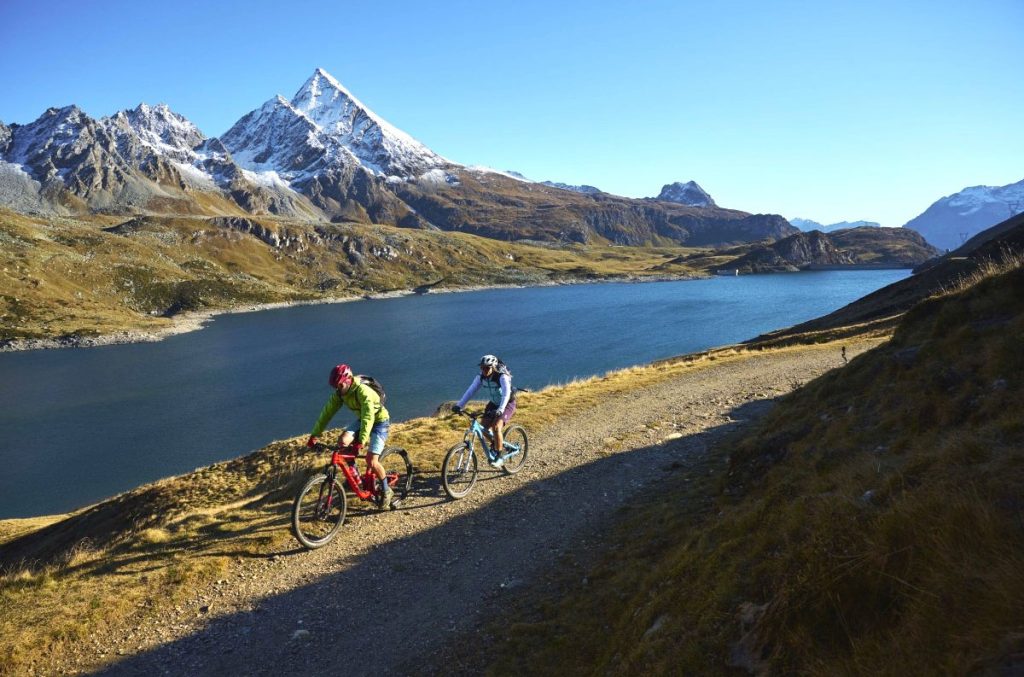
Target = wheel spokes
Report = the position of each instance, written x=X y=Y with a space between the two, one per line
x=320 y=510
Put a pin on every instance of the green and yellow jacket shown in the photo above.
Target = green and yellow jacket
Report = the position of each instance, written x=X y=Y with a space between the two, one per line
x=361 y=399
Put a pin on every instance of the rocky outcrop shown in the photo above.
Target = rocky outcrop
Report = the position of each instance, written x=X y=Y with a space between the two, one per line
x=895 y=247
x=688 y=193
x=5 y=138
x=796 y=252
x=865 y=247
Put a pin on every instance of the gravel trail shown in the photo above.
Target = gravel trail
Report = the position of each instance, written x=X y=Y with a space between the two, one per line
x=403 y=581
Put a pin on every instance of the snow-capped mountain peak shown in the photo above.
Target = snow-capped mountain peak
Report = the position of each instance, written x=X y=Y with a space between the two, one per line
x=379 y=146
x=55 y=128
x=949 y=222
x=161 y=129
x=329 y=104
x=276 y=137
x=975 y=198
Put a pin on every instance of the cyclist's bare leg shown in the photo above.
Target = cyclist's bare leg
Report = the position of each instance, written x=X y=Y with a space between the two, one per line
x=499 y=438
x=373 y=463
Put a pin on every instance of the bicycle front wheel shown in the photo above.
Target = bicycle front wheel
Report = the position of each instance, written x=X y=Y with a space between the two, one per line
x=318 y=511
x=397 y=465
x=458 y=473
x=516 y=448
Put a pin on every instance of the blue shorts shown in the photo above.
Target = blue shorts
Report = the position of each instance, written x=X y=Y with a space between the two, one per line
x=378 y=435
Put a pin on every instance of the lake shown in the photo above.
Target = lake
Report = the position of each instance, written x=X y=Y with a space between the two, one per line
x=79 y=425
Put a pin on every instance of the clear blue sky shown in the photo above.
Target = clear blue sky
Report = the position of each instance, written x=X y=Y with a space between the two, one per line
x=829 y=111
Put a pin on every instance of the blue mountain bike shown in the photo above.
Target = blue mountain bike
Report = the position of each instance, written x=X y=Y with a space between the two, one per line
x=459 y=471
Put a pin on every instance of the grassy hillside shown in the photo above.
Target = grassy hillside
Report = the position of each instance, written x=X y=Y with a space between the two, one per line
x=883 y=246
x=504 y=208
x=872 y=523
x=74 y=277
x=65 y=276
x=127 y=561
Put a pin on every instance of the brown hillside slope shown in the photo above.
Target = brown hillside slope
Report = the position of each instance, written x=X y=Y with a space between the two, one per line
x=500 y=207
x=69 y=277
x=872 y=523
x=997 y=244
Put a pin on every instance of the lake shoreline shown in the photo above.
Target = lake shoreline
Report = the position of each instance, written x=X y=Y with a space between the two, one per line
x=197 y=320
x=164 y=407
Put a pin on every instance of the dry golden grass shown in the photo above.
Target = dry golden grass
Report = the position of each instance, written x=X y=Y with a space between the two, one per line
x=76 y=276
x=1006 y=260
x=870 y=524
x=132 y=558
x=12 y=528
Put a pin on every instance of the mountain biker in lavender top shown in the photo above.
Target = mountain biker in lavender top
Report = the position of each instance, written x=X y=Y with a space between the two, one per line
x=497 y=379
x=369 y=432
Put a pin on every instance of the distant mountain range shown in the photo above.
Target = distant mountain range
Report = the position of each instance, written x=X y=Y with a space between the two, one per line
x=954 y=219
x=324 y=156
x=576 y=189
x=807 y=225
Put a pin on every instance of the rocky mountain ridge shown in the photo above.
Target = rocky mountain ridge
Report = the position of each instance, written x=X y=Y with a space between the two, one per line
x=324 y=156
x=583 y=188
x=688 y=193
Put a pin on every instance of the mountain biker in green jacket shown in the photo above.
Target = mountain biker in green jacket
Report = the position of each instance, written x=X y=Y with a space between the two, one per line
x=370 y=432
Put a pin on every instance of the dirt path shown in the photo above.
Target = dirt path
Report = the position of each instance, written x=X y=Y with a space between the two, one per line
x=438 y=565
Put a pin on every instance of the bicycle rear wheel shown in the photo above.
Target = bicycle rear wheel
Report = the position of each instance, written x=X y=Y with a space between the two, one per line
x=397 y=464
x=459 y=471
x=318 y=511
x=516 y=449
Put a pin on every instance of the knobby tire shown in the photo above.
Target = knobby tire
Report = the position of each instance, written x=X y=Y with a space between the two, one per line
x=312 y=527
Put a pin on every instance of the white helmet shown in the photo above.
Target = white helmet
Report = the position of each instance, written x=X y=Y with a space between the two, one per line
x=489 y=361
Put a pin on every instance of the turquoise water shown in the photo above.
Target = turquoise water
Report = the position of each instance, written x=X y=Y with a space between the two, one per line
x=79 y=425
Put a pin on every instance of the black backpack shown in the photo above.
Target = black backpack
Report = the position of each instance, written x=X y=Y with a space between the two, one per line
x=375 y=385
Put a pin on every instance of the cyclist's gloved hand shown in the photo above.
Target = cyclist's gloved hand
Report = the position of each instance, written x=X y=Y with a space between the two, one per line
x=311 y=442
x=499 y=412
x=357 y=447
x=456 y=409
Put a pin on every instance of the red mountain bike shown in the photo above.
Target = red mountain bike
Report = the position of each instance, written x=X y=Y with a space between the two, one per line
x=320 y=506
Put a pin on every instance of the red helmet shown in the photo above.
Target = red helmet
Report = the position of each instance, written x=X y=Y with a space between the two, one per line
x=340 y=376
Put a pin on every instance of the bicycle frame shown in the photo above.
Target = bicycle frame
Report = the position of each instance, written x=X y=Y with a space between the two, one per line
x=364 y=486
x=478 y=431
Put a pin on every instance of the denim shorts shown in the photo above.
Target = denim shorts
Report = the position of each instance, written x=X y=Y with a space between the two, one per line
x=378 y=435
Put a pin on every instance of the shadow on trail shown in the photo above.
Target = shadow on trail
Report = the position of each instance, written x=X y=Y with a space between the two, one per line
x=436 y=581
